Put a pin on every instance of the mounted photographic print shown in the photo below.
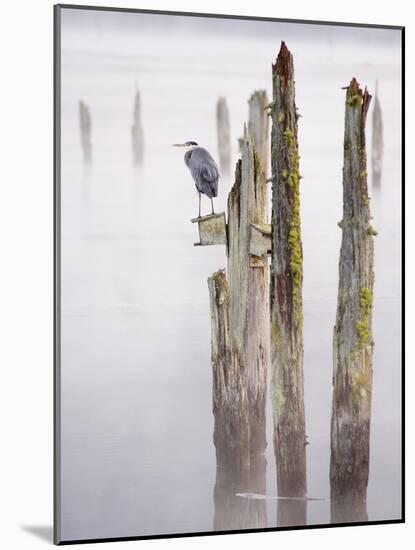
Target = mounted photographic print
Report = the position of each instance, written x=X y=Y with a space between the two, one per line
x=228 y=274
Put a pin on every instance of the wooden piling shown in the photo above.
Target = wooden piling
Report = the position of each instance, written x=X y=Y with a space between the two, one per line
x=287 y=384
x=85 y=127
x=258 y=126
x=224 y=135
x=240 y=144
x=352 y=342
x=137 y=135
x=240 y=323
x=377 y=141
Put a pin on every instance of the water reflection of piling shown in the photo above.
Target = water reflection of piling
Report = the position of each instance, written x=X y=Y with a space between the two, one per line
x=377 y=141
x=287 y=383
x=291 y=513
x=85 y=126
x=239 y=313
x=352 y=342
x=348 y=511
x=137 y=134
x=224 y=135
x=233 y=507
x=258 y=126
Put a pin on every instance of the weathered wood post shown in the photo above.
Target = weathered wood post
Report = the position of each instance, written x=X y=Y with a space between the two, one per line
x=224 y=135
x=137 y=135
x=352 y=342
x=287 y=385
x=377 y=141
x=240 y=322
x=258 y=126
x=240 y=144
x=85 y=126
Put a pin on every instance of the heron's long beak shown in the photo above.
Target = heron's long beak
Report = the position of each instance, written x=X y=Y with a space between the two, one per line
x=179 y=145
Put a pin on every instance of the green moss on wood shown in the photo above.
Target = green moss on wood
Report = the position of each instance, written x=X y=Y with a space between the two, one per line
x=354 y=100
x=366 y=298
x=294 y=236
x=363 y=324
x=362 y=157
x=288 y=137
x=363 y=332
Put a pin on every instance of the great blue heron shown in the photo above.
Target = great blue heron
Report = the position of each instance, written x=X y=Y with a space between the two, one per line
x=204 y=170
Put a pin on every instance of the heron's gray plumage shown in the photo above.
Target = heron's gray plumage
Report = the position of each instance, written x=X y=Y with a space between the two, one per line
x=204 y=171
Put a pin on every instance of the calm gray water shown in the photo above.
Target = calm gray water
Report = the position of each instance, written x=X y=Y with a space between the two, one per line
x=137 y=450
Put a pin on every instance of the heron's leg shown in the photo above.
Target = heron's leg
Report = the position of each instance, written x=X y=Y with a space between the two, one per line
x=200 y=200
x=213 y=210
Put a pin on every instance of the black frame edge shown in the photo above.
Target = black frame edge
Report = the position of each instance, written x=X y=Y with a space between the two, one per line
x=56 y=273
x=403 y=281
x=227 y=16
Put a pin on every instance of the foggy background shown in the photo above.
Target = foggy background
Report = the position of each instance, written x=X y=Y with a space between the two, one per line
x=137 y=450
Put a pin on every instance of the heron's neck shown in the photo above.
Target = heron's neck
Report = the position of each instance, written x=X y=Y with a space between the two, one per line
x=187 y=156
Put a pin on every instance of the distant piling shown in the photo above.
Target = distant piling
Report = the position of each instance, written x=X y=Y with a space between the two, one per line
x=258 y=126
x=377 y=141
x=287 y=382
x=85 y=127
x=240 y=322
x=224 y=135
x=352 y=341
x=137 y=134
